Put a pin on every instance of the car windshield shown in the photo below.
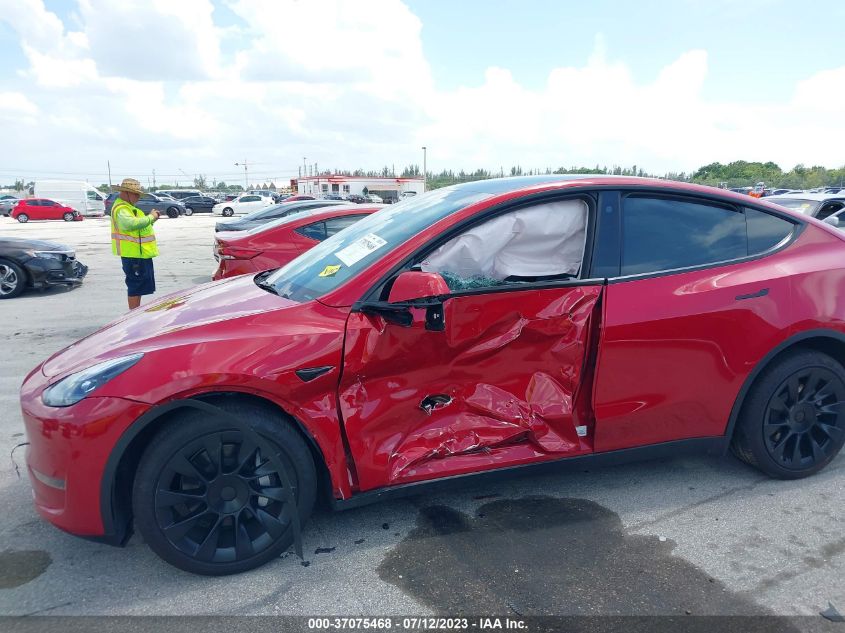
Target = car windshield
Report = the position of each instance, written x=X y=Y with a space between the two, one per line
x=802 y=205
x=345 y=254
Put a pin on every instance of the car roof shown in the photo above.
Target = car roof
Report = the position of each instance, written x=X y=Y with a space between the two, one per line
x=808 y=196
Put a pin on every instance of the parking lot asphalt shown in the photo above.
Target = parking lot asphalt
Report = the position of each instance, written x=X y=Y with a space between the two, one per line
x=674 y=536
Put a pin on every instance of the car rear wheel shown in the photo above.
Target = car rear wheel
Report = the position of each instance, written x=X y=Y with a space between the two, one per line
x=189 y=211
x=793 y=421
x=12 y=279
x=172 y=212
x=68 y=217
x=23 y=218
x=208 y=500
x=228 y=213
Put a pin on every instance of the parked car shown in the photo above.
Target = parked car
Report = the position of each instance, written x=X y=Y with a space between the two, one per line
x=488 y=326
x=6 y=205
x=374 y=198
x=27 y=263
x=198 y=204
x=266 y=193
x=274 y=212
x=179 y=194
x=298 y=197
x=816 y=205
x=241 y=205
x=279 y=242
x=43 y=209
x=357 y=199
x=407 y=194
x=149 y=201
x=332 y=196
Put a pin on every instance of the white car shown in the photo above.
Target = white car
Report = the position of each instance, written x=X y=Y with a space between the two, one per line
x=374 y=198
x=241 y=205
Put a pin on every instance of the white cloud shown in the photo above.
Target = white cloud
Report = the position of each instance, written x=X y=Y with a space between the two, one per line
x=347 y=84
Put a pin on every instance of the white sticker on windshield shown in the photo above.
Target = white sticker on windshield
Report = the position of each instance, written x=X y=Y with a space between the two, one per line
x=358 y=250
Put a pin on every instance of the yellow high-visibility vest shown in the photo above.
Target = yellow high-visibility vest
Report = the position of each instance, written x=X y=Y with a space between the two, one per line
x=131 y=232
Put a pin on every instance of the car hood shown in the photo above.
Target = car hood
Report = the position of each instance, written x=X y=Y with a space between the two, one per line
x=167 y=322
x=26 y=243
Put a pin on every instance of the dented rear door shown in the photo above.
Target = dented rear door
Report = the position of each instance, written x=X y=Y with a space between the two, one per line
x=503 y=381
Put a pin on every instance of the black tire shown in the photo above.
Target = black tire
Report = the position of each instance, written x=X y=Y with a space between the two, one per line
x=792 y=423
x=23 y=218
x=228 y=213
x=68 y=217
x=214 y=512
x=189 y=211
x=172 y=212
x=12 y=279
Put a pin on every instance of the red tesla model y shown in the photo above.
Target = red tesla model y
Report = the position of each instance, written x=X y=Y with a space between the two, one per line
x=278 y=242
x=479 y=328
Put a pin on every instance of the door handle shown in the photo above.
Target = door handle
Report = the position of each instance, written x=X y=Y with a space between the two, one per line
x=753 y=295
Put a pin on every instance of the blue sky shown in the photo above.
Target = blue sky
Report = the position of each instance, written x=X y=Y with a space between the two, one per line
x=351 y=84
x=755 y=47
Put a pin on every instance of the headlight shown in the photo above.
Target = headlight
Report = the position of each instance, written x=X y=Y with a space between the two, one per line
x=50 y=254
x=75 y=387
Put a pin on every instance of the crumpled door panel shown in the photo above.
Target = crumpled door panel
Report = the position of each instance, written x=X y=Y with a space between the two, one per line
x=496 y=388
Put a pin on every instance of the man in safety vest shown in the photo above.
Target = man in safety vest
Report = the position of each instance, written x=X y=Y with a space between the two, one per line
x=133 y=239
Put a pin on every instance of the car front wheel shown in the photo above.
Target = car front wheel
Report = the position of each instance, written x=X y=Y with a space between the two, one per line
x=792 y=423
x=12 y=279
x=172 y=212
x=207 y=498
x=23 y=218
x=68 y=217
x=189 y=211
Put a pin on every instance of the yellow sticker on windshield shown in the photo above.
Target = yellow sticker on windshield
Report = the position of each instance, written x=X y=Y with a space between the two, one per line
x=329 y=271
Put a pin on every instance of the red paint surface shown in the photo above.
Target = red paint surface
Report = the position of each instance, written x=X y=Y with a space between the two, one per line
x=510 y=363
x=416 y=285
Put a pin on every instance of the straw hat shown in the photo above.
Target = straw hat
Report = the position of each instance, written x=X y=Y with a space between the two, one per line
x=130 y=185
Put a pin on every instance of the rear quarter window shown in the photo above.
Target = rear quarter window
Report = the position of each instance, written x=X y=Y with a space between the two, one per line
x=766 y=231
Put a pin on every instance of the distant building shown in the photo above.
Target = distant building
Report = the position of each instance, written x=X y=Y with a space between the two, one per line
x=387 y=188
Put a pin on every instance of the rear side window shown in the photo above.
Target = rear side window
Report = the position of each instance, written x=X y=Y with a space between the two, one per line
x=765 y=231
x=315 y=231
x=335 y=225
x=663 y=234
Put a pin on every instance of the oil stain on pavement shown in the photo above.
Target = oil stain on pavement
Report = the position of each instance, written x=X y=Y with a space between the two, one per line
x=19 y=567
x=548 y=556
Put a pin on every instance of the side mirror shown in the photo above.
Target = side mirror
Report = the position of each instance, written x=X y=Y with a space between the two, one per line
x=832 y=220
x=415 y=284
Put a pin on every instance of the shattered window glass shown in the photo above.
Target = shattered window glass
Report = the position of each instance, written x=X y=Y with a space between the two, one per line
x=539 y=243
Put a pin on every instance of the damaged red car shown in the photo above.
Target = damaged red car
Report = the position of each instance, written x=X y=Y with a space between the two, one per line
x=279 y=242
x=474 y=330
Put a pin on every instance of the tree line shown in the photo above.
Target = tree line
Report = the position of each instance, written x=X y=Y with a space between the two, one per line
x=739 y=173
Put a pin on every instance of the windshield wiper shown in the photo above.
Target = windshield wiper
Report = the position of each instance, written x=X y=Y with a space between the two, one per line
x=260 y=281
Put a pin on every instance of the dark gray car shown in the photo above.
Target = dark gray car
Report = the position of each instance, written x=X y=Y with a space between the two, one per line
x=268 y=214
x=148 y=202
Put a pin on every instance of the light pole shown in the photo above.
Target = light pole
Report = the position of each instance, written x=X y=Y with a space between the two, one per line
x=304 y=174
x=246 y=176
x=425 y=171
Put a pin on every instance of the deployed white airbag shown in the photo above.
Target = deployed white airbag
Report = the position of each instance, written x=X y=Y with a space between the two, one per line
x=539 y=241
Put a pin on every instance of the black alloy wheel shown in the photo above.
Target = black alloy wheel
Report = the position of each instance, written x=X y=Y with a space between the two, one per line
x=805 y=419
x=68 y=217
x=12 y=279
x=208 y=500
x=172 y=212
x=792 y=423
